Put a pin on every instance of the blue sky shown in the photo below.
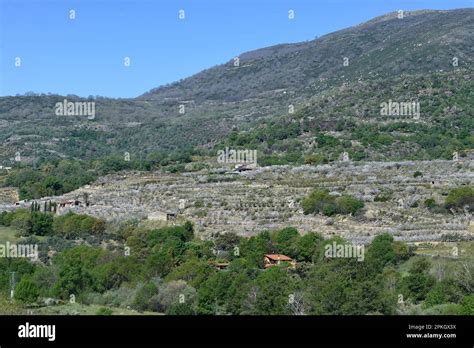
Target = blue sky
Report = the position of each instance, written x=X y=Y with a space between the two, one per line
x=85 y=56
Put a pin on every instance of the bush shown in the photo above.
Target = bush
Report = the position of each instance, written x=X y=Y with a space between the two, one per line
x=122 y=297
x=467 y=304
x=419 y=282
x=444 y=309
x=75 y=225
x=417 y=174
x=316 y=201
x=460 y=197
x=430 y=203
x=285 y=241
x=329 y=209
x=104 y=311
x=382 y=197
x=6 y=218
x=143 y=296
x=76 y=270
x=320 y=201
x=226 y=241
x=315 y=159
x=180 y=309
x=21 y=220
x=41 y=223
x=348 y=205
x=172 y=294
x=26 y=291
x=11 y=308
x=93 y=298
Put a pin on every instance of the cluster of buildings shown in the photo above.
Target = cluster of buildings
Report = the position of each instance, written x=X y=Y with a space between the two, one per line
x=269 y=260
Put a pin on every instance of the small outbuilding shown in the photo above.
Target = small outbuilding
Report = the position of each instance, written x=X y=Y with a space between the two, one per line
x=219 y=265
x=70 y=203
x=243 y=168
x=162 y=216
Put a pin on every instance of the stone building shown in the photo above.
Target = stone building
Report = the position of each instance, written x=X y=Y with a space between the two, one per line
x=162 y=216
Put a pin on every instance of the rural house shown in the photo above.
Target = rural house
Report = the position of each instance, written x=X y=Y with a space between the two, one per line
x=275 y=259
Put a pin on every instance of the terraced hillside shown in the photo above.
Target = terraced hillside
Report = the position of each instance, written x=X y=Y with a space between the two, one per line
x=270 y=197
x=351 y=118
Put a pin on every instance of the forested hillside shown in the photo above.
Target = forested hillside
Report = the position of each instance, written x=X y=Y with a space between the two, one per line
x=338 y=71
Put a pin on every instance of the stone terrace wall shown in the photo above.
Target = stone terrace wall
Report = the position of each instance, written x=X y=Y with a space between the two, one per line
x=269 y=198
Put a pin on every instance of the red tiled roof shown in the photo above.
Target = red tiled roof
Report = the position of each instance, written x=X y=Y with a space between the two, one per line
x=279 y=257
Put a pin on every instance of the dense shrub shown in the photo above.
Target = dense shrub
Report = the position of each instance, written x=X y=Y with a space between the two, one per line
x=170 y=271
x=143 y=296
x=26 y=291
x=320 y=201
x=460 y=197
x=73 y=225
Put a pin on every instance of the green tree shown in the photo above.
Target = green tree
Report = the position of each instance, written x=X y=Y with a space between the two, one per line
x=255 y=247
x=435 y=296
x=22 y=220
x=368 y=297
x=309 y=247
x=76 y=270
x=285 y=241
x=320 y=201
x=26 y=291
x=226 y=241
x=317 y=201
x=419 y=282
x=171 y=294
x=143 y=296
x=270 y=292
x=194 y=271
x=159 y=263
x=41 y=223
x=21 y=266
x=348 y=205
x=224 y=292
x=381 y=252
x=52 y=185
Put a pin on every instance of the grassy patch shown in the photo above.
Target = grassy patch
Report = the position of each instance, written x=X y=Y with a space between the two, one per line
x=82 y=309
x=464 y=249
x=8 y=234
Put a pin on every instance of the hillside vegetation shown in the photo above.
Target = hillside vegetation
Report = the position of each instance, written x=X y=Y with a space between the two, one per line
x=170 y=271
x=208 y=108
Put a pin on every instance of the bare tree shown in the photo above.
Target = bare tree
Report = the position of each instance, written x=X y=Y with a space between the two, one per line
x=465 y=276
x=249 y=303
x=440 y=270
x=296 y=305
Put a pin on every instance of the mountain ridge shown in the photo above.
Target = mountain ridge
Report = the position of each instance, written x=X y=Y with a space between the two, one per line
x=410 y=20
x=225 y=99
